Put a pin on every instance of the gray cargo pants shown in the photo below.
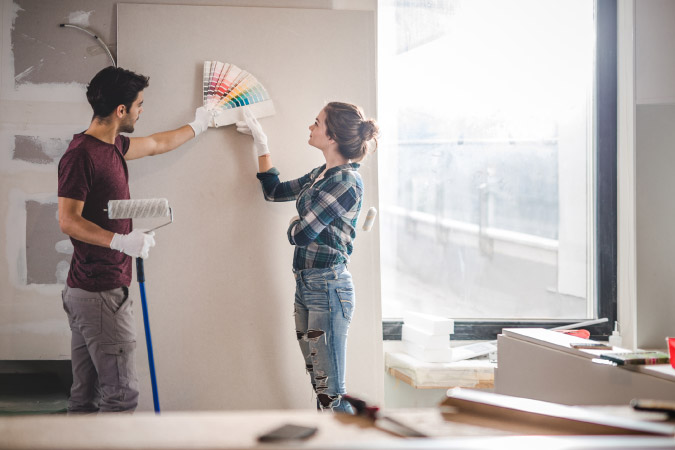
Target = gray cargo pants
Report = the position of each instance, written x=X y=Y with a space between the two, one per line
x=102 y=350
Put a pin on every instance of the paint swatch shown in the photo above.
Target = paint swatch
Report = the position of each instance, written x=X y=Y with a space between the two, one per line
x=227 y=89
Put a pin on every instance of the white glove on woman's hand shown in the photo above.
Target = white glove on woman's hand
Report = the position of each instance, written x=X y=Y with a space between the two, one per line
x=136 y=244
x=202 y=119
x=251 y=127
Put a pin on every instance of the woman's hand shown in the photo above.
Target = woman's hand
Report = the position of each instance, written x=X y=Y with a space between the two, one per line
x=251 y=127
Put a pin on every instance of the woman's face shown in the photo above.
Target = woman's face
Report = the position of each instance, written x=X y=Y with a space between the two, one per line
x=318 y=137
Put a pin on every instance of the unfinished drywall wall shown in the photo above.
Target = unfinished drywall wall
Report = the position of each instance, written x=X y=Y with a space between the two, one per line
x=44 y=53
x=40 y=109
x=219 y=281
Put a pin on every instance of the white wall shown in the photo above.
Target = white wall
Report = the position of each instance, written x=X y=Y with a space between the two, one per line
x=654 y=58
x=654 y=169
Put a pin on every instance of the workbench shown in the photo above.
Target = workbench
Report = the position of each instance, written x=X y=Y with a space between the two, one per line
x=239 y=430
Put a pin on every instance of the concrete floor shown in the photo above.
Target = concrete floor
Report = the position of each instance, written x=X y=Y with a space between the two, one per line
x=41 y=392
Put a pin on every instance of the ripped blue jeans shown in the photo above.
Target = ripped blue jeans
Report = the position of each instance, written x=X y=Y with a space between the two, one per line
x=324 y=304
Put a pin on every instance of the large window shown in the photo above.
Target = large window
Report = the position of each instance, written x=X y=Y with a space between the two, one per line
x=490 y=158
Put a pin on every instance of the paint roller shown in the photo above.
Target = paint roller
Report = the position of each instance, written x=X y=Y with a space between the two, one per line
x=141 y=209
x=370 y=219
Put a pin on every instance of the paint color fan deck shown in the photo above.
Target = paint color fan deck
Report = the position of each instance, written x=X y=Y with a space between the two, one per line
x=227 y=89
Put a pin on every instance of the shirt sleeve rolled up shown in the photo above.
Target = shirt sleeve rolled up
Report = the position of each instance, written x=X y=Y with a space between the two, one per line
x=276 y=191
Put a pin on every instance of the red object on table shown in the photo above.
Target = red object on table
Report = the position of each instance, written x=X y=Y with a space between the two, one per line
x=671 y=350
x=584 y=334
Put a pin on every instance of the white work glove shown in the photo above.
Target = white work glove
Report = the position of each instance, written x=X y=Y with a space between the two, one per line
x=136 y=244
x=251 y=127
x=202 y=119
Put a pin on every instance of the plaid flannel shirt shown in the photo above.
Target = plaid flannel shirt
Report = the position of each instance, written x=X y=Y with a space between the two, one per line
x=328 y=210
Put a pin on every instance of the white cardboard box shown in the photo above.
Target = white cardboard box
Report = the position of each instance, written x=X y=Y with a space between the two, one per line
x=430 y=323
x=421 y=337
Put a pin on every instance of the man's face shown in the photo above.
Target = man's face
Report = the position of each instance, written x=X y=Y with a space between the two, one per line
x=132 y=115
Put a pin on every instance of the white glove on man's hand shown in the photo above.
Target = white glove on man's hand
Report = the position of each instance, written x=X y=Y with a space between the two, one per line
x=251 y=127
x=136 y=244
x=202 y=119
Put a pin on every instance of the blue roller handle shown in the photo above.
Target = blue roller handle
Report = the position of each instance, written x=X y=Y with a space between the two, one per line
x=140 y=275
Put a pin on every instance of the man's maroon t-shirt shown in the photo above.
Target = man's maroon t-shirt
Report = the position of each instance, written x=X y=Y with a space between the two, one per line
x=94 y=172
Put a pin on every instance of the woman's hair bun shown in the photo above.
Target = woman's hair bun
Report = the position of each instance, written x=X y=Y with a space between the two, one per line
x=368 y=129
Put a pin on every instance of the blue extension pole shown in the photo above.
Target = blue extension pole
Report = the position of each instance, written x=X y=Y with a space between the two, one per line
x=140 y=275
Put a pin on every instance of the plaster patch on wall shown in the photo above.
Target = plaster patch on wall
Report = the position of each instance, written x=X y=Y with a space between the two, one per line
x=80 y=18
x=61 y=273
x=64 y=246
x=15 y=12
x=44 y=52
x=34 y=147
x=31 y=237
x=26 y=73
x=42 y=234
x=40 y=60
x=37 y=150
x=50 y=326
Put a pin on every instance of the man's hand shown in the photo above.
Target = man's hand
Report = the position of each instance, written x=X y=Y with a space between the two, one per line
x=202 y=119
x=136 y=244
x=251 y=127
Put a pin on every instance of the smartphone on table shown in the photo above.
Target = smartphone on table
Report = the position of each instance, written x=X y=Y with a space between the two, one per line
x=287 y=432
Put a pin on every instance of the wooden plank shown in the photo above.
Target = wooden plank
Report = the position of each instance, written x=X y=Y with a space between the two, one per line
x=539 y=417
x=408 y=379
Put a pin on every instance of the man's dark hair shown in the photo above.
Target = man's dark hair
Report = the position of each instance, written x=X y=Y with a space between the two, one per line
x=114 y=86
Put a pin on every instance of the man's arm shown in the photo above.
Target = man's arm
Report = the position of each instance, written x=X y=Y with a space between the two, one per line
x=136 y=244
x=74 y=225
x=158 y=143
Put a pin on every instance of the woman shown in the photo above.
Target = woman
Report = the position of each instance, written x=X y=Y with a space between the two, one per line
x=328 y=201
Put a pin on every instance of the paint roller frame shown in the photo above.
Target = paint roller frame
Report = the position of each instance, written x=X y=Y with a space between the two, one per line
x=143 y=208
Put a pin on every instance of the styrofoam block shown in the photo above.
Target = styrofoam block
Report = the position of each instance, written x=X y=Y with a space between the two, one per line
x=472 y=350
x=430 y=323
x=428 y=354
x=421 y=337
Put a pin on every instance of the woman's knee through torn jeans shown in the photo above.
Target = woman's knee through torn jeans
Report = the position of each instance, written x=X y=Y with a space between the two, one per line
x=324 y=304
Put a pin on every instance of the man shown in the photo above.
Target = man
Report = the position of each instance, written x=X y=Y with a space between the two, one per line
x=96 y=296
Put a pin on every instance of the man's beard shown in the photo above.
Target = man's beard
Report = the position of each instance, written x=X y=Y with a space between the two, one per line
x=127 y=127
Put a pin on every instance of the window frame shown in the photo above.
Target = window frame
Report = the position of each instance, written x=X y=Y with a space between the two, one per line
x=605 y=191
